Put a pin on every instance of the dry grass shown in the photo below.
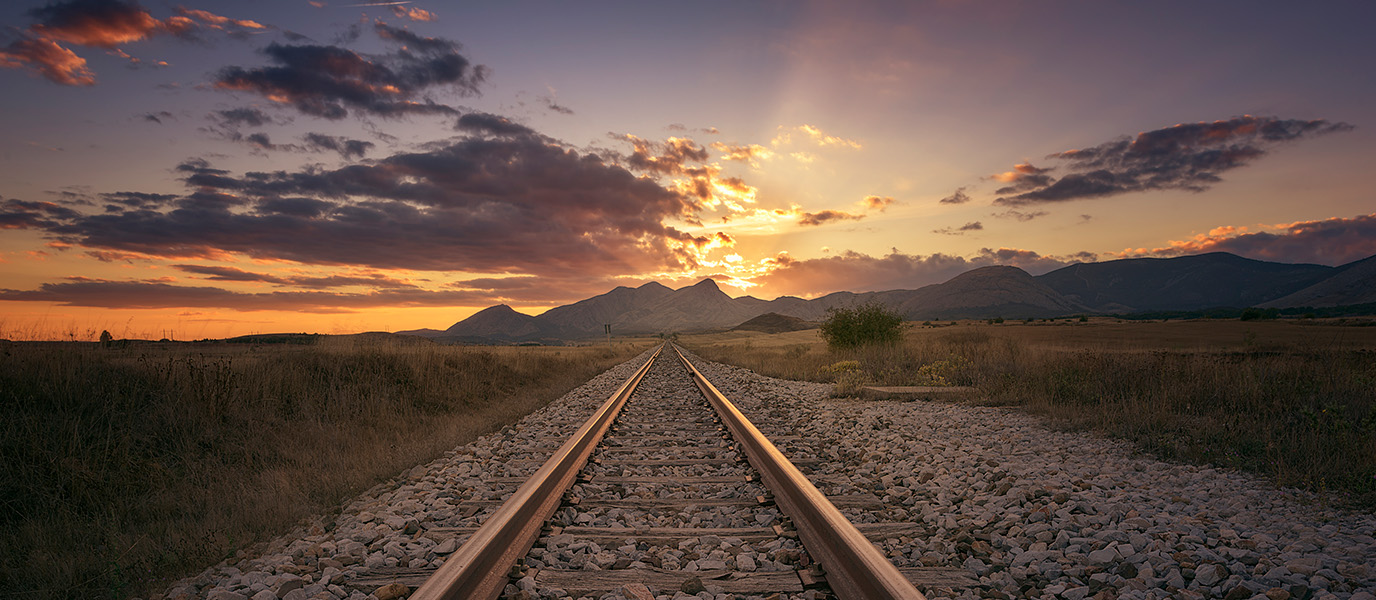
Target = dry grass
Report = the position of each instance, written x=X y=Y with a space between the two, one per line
x=1293 y=401
x=124 y=467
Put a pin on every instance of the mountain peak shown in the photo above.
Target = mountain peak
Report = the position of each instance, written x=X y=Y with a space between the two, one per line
x=653 y=285
x=497 y=309
x=707 y=283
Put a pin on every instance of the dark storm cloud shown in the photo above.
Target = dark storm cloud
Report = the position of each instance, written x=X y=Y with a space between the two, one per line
x=517 y=204
x=491 y=124
x=1189 y=156
x=808 y=219
x=330 y=81
x=958 y=197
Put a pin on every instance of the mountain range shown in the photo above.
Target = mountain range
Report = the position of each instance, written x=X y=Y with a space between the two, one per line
x=1112 y=287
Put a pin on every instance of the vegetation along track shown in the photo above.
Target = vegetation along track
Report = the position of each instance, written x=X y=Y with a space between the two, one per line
x=682 y=494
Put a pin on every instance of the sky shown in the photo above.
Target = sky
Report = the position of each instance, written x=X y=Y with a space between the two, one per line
x=207 y=169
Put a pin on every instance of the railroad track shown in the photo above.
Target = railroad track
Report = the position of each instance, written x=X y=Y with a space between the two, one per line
x=668 y=488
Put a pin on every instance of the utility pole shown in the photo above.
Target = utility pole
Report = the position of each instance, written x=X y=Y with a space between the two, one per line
x=608 y=327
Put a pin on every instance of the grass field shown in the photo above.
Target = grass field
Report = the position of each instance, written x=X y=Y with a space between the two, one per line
x=127 y=466
x=1293 y=400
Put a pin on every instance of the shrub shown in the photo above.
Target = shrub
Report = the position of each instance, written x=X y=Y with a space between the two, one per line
x=869 y=323
x=848 y=377
x=944 y=372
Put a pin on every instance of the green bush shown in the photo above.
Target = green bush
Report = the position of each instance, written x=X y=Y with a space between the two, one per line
x=869 y=323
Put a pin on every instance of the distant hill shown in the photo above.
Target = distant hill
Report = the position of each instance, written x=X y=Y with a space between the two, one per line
x=1183 y=283
x=988 y=292
x=774 y=323
x=308 y=339
x=1187 y=283
x=1353 y=283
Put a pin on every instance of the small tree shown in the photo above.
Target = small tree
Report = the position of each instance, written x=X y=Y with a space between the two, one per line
x=106 y=339
x=869 y=323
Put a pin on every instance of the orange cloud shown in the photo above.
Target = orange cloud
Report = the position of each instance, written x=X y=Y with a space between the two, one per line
x=879 y=203
x=414 y=14
x=105 y=25
x=1019 y=171
x=1329 y=241
x=750 y=154
x=48 y=59
x=100 y=26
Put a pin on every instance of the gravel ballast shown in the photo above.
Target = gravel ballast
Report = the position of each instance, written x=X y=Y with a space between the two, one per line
x=1030 y=512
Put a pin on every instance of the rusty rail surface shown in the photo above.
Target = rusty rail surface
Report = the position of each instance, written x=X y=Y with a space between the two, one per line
x=479 y=569
x=854 y=568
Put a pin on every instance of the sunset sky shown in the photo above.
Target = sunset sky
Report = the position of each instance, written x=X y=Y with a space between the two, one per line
x=207 y=169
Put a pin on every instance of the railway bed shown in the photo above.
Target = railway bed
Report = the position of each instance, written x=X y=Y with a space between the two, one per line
x=990 y=498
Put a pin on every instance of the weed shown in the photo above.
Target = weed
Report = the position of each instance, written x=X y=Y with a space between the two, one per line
x=129 y=465
x=1291 y=401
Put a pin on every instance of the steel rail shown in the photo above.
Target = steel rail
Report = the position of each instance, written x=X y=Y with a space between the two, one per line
x=854 y=568
x=478 y=570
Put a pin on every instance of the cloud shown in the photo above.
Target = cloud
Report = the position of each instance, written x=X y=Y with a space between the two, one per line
x=236 y=117
x=19 y=214
x=372 y=280
x=490 y=124
x=46 y=58
x=347 y=148
x=385 y=292
x=414 y=14
x=1019 y=215
x=1021 y=178
x=826 y=216
x=104 y=24
x=1189 y=156
x=553 y=104
x=879 y=203
x=157 y=117
x=227 y=124
x=859 y=272
x=958 y=197
x=1332 y=241
x=669 y=157
x=515 y=204
x=749 y=154
x=152 y=294
x=330 y=81
x=962 y=230
x=814 y=135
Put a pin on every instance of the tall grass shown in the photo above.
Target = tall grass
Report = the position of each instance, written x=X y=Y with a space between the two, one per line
x=123 y=467
x=1300 y=412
